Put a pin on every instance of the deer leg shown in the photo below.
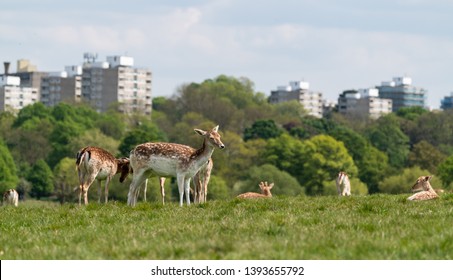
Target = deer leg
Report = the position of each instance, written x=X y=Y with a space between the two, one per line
x=187 y=189
x=99 y=191
x=180 y=179
x=144 y=190
x=106 y=191
x=137 y=181
x=162 y=189
x=80 y=194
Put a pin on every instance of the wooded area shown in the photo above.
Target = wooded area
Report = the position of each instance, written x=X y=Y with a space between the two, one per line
x=277 y=143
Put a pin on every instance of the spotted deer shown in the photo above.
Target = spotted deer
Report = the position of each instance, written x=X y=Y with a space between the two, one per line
x=200 y=180
x=343 y=184
x=94 y=163
x=265 y=192
x=171 y=160
x=423 y=189
x=11 y=197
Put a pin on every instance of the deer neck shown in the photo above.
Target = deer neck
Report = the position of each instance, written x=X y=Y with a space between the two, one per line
x=203 y=154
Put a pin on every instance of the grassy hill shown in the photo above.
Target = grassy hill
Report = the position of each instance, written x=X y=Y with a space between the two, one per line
x=329 y=227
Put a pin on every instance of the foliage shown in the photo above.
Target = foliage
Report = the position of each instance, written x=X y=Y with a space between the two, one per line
x=65 y=180
x=426 y=156
x=8 y=175
x=357 y=187
x=445 y=171
x=264 y=129
x=41 y=178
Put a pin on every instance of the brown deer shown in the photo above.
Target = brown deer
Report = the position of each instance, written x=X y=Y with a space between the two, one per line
x=343 y=184
x=171 y=160
x=265 y=192
x=11 y=197
x=94 y=163
x=423 y=189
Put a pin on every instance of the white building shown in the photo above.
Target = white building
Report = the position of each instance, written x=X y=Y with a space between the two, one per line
x=364 y=102
x=299 y=91
x=13 y=97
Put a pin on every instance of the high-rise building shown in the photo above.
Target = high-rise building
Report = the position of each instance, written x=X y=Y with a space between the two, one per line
x=116 y=81
x=299 y=91
x=402 y=93
x=363 y=102
x=65 y=86
x=13 y=96
x=447 y=102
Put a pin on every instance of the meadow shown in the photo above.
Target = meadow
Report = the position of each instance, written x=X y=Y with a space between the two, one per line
x=375 y=227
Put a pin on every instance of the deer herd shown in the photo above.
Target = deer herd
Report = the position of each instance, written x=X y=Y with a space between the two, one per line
x=163 y=160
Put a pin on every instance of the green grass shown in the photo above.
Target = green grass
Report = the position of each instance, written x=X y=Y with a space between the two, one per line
x=368 y=227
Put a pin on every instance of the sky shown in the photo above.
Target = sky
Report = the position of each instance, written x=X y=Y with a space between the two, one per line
x=334 y=45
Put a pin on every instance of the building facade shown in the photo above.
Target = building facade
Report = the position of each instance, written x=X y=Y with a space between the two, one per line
x=13 y=96
x=447 y=102
x=65 y=86
x=402 y=93
x=299 y=91
x=364 y=102
x=116 y=81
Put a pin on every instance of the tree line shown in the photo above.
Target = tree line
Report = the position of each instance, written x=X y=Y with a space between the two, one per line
x=277 y=143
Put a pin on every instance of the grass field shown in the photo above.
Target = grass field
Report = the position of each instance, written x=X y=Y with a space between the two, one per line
x=369 y=227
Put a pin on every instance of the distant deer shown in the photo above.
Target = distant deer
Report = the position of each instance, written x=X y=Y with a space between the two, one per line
x=200 y=180
x=94 y=163
x=171 y=160
x=265 y=192
x=343 y=184
x=423 y=189
x=11 y=197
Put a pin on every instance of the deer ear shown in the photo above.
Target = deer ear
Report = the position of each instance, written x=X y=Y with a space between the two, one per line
x=215 y=129
x=271 y=185
x=428 y=178
x=199 y=131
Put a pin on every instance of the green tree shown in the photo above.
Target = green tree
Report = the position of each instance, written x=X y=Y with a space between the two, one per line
x=65 y=180
x=264 y=129
x=387 y=136
x=372 y=168
x=426 y=156
x=147 y=132
x=445 y=172
x=41 y=178
x=402 y=183
x=8 y=175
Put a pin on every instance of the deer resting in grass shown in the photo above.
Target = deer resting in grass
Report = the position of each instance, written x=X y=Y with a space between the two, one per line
x=94 y=163
x=171 y=160
x=265 y=192
x=11 y=197
x=423 y=189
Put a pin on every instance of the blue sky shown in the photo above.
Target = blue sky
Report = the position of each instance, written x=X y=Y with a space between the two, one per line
x=334 y=45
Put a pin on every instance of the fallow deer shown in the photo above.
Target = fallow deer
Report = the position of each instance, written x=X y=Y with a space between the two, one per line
x=265 y=192
x=200 y=180
x=423 y=189
x=94 y=163
x=343 y=184
x=171 y=160
x=11 y=197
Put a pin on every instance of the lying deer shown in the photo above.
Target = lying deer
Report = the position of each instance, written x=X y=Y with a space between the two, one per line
x=423 y=189
x=11 y=197
x=94 y=163
x=171 y=160
x=265 y=192
x=343 y=184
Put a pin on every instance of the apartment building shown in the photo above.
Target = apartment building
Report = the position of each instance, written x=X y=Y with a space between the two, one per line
x=402 y=93
x=13 y=96
x=299 y=90
x=65 y=86
x=363 y=102
x=116 y=81
x=447 y=102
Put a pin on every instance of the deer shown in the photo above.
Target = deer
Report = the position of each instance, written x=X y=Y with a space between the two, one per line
x=94 y=163
x=200 y=180
x=11 y=197
x=265 y=192
x=164 y=159
x=423 y=189
x=343 y=184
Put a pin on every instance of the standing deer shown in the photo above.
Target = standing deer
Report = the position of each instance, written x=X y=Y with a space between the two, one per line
x=94 y=163
x=171 y=160
x=265 y=192
x=343 y=184
x=200 y=180
x=11 y=197
x=423 y=189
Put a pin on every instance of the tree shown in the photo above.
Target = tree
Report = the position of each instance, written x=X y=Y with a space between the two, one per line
x=147 y=132
x=445 y=172
x=372 y=168
x=426 y=156
x=41 y=178
x=8 y=175
x=65 y=180
x=264 y=129
x=402 y=182
x=387 y=136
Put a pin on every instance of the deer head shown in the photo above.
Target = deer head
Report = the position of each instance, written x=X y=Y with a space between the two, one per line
x=211 y=137
x=422 y=184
